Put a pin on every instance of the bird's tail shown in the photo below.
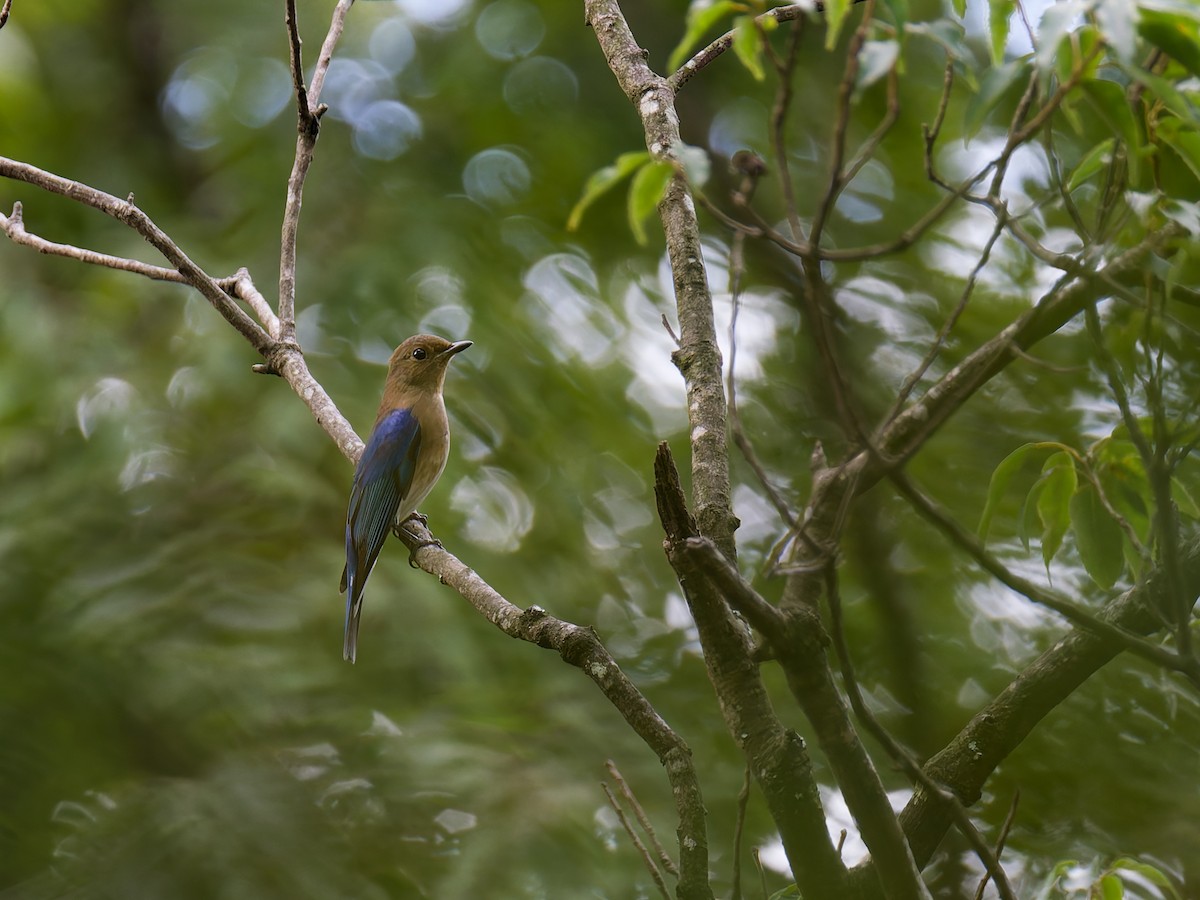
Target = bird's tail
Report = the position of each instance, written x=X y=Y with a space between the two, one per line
x=353 y=611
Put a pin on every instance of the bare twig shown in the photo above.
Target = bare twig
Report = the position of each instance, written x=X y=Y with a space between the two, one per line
x=837 y=143
x=685 y=72
x=743 y=801
x=4 y=11
x=779 y=112
x=664 y=858
x=655 y=874
x=898 y=753
x=1000 y=841
x=931 y=132
x=735 y=419
x=931 y=354
x=308 y=119
x=14 y=226
x=126 y=212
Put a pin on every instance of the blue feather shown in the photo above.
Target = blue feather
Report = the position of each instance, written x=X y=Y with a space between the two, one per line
x=382 y=480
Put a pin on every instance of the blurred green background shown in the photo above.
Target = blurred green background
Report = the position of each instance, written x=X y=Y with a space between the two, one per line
x=175 y=716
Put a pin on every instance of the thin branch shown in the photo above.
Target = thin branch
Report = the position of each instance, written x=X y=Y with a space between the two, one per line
x=126 y=212
x=743 y=800
x=637 y=842
x=1009 y=819
x=580 y=647
x=293 y=30
x=14 y=227
x=238 y=285
x=783 y=98
x=875 y=138
x=931 y=354
x=735 y=419
x=899 y=754
x=931 y=133
x=1046 y=597
x=308 y=121
x=837 y=143
x=685 y=72
x=4 y=11
x=644 y=820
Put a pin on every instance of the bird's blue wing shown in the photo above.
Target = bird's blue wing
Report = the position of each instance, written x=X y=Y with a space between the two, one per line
x=381 y=481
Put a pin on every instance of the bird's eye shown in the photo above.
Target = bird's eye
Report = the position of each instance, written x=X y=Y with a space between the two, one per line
x=419 y=353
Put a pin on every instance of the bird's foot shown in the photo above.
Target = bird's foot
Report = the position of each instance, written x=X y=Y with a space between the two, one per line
x=413 y=553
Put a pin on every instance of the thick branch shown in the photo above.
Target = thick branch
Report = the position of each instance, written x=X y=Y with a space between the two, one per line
x=776 y=755
x=698 y=357
x=970 y=758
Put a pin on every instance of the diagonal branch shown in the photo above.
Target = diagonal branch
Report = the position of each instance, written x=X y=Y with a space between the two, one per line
x=281 y=358
x=776 y=755
x=965 y=764
x=126 y=212
x=580 y=647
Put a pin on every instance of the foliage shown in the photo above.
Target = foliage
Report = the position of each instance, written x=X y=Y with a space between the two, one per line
x=177 y=718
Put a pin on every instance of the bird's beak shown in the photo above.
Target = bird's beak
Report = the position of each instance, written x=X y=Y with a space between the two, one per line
x=457 y=347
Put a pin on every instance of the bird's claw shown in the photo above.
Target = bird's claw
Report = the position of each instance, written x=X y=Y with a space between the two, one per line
x=412 y=561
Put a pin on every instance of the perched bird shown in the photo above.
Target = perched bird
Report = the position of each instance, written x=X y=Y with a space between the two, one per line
x=403 y=459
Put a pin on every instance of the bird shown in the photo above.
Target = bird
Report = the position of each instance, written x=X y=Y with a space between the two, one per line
x=403 y=459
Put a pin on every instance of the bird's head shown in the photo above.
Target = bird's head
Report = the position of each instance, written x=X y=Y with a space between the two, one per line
x=422 y=359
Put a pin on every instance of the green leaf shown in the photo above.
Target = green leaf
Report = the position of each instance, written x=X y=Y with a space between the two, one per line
x=835 y=17
x=1183 y=499
x=1078 y=52
x=960 y=8
x=747 y=44
x=875 y=61
x=604 y=180
x=648 y=187
x=1149 y=872
x=1098 y=537
x=992 y=89
x=999 y=14
x=1098 y=158
x=1107 y=99
x=701 y=17
x=998 y=484
x=1051 y=882
x=1054 y=503
x=949 y=35
x=1165 y=92
x=900 y=13
x=1184 y=142
x=1027 y=523
x=1174 y=35
x=1111 y=887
